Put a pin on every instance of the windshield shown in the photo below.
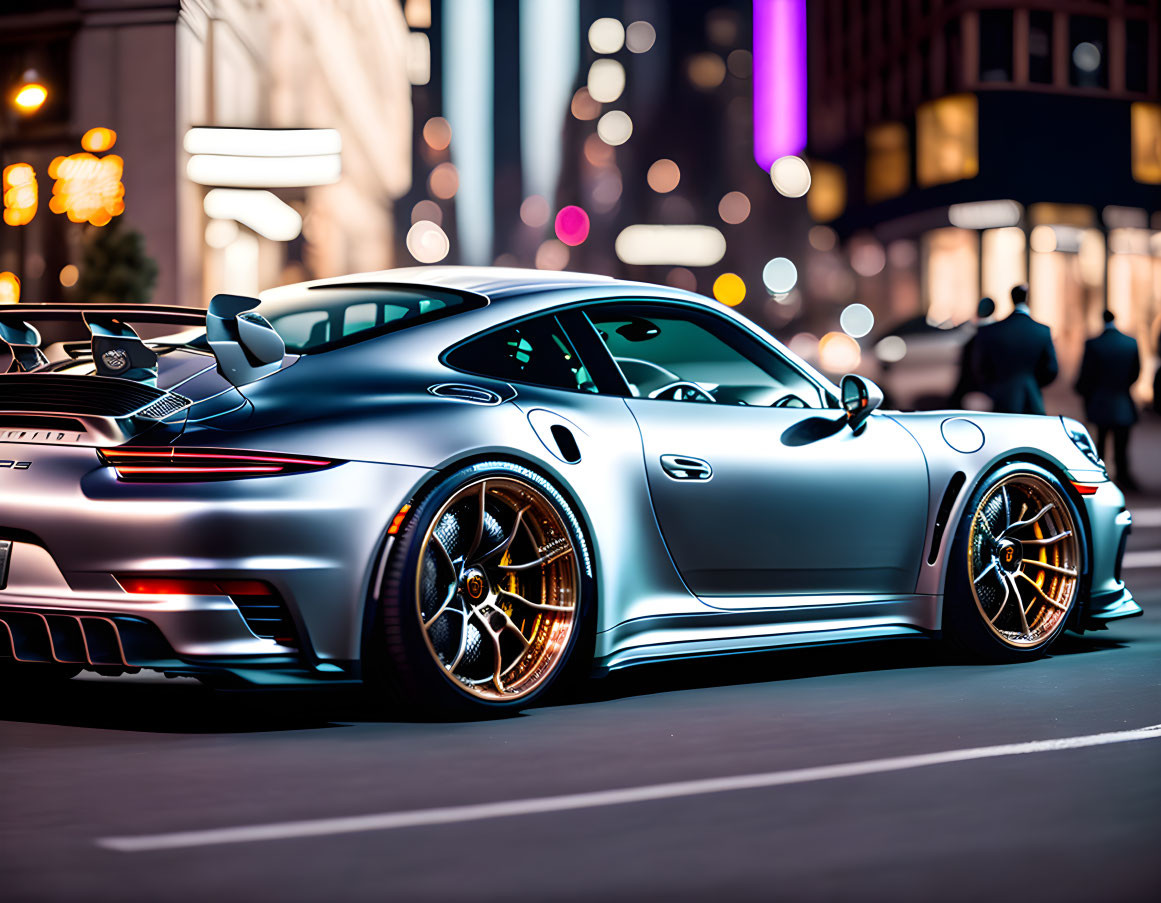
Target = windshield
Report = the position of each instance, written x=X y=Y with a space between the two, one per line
x=328 y=316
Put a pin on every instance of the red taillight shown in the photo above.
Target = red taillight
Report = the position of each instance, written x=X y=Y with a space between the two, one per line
x=167 y=465
x=182 y=586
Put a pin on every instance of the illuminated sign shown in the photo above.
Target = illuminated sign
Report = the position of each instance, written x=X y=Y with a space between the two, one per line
x=20 y=196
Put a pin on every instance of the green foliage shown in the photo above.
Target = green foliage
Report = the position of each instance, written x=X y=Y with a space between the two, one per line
x=114 y=266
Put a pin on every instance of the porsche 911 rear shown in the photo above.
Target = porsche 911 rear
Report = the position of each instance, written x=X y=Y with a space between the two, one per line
x=104 y=565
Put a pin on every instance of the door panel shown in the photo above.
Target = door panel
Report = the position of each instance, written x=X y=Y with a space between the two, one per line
x=795 y=503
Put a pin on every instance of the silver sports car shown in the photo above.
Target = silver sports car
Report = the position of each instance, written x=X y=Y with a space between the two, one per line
x=458 y=485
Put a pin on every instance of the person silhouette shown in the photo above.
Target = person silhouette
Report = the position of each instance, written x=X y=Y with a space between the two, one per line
x=966 y=383
x=1111 y=364
x=1013 y=358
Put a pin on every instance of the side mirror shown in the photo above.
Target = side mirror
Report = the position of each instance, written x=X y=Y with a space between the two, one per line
x=860 y=398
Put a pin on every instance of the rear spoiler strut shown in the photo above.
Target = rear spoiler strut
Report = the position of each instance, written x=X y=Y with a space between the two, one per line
x=243 y=342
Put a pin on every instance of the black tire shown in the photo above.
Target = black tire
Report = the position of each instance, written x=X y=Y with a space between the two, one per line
x=401 y=659
x=983 y=623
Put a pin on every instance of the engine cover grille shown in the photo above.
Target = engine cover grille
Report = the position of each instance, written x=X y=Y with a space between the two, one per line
x=100 y=396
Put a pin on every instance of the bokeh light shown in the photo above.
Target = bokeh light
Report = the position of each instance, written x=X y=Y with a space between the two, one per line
x=1043 y=239
x=822 y=238
x=615 y=127
x=9 y=287
x=572 y=225
x=856 y=320
x=427 y=242
x=606 y=190
x=867 y=256
x=583 y=106
x=429 y=210
x=734 y=208
x=69 y=275
x=730 y=289
x=640 y=37
x=706 y=70
x=791 y=176
x=740 y=63
x=805 y=345
x=98 y=140
x=606 y=35
x=680 y=277
x=30 y=97
x=779 y=275
x=1086 y=57
x=534 y=211
x=437 y=133
x=891 y=349
x=597 y=153
x=663 y=176
x=444 y=181
x=552 y=255
x=606 y=80
x=838 y=352
x=220 y=233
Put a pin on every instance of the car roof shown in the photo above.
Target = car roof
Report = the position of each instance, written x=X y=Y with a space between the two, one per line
x=493 y=283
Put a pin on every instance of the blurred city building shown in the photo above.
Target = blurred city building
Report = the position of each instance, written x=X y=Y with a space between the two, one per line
x=959 y=148
x=251 y=212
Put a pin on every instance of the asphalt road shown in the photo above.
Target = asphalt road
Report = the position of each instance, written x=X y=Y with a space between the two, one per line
x=102 y=759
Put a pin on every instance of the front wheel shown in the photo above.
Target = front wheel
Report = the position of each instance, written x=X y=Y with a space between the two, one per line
x=485 y=594
x=1015 y=574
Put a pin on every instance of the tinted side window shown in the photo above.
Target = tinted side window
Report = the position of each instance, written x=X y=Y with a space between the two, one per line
x=657 y=347
x=535 y=351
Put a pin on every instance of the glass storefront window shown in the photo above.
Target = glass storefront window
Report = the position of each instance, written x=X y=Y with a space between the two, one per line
x=1003 y=262
x=995 y=45
x=951 y=275
x=1040 y=47
x=1088 y=42
x=1146 y=141
x=947 y=144
x=888 y=161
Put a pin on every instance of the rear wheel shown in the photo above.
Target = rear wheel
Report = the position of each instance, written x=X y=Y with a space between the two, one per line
x=485 y=594
x=1016 y=567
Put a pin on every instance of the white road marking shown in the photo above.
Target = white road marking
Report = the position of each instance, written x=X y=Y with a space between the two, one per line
x=1146 y=517
x=415 y=818
x=1146 y=559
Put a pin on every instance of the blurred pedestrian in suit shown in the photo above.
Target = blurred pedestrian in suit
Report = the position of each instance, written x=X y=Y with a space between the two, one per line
x=1013 y=358
x=1110 y=366
x=966 y=384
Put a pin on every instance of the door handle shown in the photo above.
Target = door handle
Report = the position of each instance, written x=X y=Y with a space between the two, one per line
x=683 y=467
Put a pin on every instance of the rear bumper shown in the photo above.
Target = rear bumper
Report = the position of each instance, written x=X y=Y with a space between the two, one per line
x=313 y=537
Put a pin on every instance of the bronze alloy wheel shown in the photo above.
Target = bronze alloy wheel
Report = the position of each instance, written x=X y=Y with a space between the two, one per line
x=1023 y=560
x=498 y=588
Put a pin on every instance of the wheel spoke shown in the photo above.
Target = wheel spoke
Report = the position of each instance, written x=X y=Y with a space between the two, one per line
x=1027 y=523
x=1007 y=508
x=462 y=612
x=537 y=606
x=503 y=546
x=547 y=558
x=1043 y=595
x=451 y=594
x=445 y=557
x=986 y=571
x=1045 y=566
x=1007 y=595
x=1019 y=604
x=1047 y=540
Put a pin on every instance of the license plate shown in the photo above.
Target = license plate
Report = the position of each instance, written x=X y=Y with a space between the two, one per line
x=5 y=557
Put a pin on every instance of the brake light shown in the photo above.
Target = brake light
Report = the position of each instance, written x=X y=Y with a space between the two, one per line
x=169 y=465
x=182 y=586
x=1086 y=488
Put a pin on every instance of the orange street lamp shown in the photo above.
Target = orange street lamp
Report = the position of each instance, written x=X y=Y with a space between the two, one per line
x=31 y=94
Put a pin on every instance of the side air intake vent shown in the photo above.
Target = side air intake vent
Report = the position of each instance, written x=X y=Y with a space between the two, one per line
x=954 y=485
x=462 y=392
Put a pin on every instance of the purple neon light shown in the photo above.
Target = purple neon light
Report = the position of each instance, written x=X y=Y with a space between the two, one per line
x=779 y=79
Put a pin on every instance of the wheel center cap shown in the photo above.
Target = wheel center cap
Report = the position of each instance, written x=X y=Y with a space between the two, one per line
x=475 y=584
x=1008 y=554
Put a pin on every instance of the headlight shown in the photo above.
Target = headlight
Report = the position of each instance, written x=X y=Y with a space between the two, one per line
x=1082 y=440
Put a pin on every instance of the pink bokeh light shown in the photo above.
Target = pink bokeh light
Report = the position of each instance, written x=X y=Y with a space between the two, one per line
x=572 y=225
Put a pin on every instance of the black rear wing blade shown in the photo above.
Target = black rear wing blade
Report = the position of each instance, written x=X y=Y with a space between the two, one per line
x=162 y=314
